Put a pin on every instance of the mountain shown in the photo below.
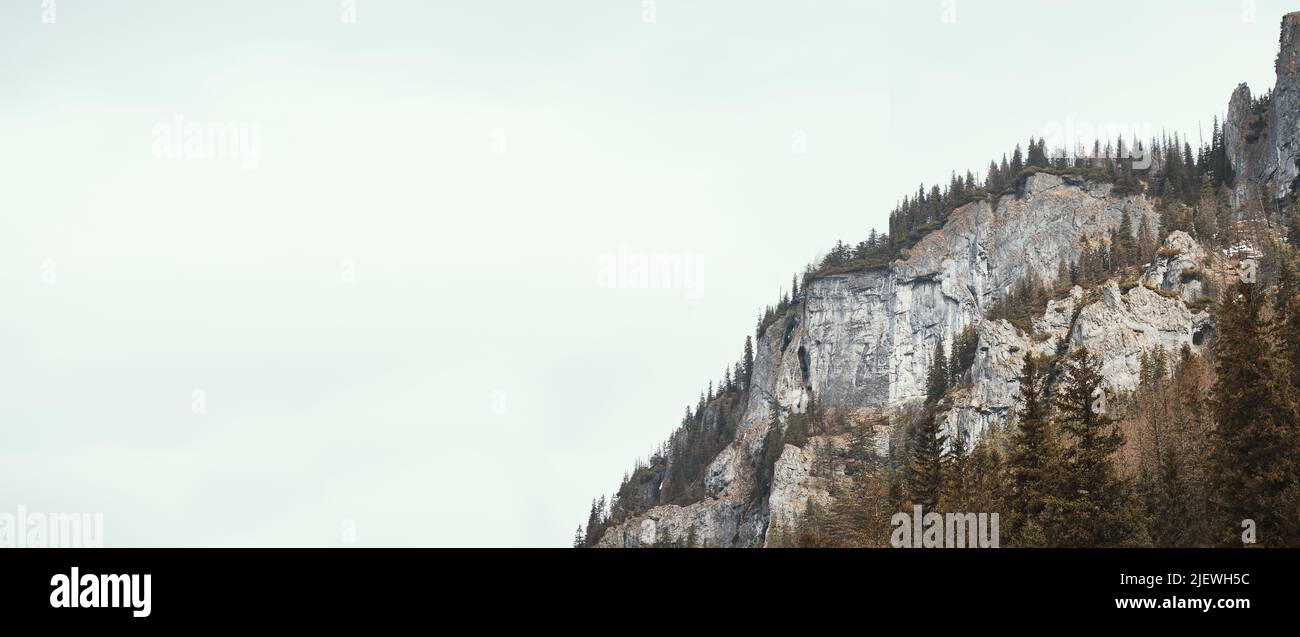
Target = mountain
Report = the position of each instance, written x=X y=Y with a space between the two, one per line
x=1263 y=134
x=1121 y=261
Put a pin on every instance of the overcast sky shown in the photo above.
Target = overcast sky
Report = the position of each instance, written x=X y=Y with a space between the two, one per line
x=396 y=314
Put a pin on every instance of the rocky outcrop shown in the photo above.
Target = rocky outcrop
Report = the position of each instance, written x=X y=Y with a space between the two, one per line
x=1120 y=327
x=706 y=524
x=1178 y=266
x=1286 y=108
x=1245 y=135
x=995 y=374
x=869 y=336
x=1262 y=136
x=794 y=487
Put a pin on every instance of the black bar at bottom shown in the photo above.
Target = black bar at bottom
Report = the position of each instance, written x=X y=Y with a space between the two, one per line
x=195 y=586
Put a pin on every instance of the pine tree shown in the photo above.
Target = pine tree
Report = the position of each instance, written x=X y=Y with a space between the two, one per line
x=988 y=482
x=748 y=362
x=964 y=348
x=863 y=457
x=1288 y=312
x=992 y=179
x=1146 y=242
x=859 y=516
x=957 y=473
x=594 y=521
x=579 y=539
x=937 y=382
x=1063 y=281
x=1121 y=244
x=1178 y=492
x=1206 y=218
x=1033 y=464
x=1169 y=431
x=1098 y=508
x=1255 y=452
x=925 y=480
x=1037 y=153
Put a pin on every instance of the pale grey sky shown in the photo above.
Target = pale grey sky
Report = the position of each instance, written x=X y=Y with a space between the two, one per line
x=392 y=312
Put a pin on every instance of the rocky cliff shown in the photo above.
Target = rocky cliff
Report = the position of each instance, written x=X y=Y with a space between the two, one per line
x=868 y=337
x=862 y=341
x=1262 y=135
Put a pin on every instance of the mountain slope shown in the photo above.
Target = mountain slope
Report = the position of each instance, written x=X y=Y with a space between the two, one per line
x=863 y=342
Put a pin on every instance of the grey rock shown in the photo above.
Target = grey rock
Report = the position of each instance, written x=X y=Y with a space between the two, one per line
x=1263 y=145
x=793 y=487
x=1182 y=255
x=1119 y=328
x=870 y=336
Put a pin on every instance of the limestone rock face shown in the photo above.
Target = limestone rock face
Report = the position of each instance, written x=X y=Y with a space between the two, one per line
x=1120 y=327
x=995 y=375
x=869 y=336
x=793 y=487
x=714 y=523
x=1286 y=108
x=1177 y=268
x=1263 y=141
x=1244 y=138
x=1117 y=329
